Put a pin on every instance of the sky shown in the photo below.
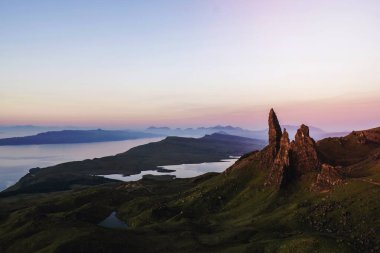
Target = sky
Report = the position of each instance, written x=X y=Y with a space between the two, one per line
x=136 y=63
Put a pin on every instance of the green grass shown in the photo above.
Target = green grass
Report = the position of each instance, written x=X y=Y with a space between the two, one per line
x=227 y=212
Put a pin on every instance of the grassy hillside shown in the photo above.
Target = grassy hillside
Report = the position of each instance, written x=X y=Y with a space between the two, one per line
x=213 y=213
x=229 y=212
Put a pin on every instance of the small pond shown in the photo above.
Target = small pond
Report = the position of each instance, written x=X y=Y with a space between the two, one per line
x=113 y=222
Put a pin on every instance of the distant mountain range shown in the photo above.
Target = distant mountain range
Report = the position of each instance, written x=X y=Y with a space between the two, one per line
x=76 y=136
x=29 y=134
x=315 y=132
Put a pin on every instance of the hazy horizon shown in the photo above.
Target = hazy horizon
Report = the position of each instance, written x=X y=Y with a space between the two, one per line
x=190 y=63
x=145 y=127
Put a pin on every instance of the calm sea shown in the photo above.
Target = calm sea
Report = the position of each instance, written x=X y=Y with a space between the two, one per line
x=15 y=161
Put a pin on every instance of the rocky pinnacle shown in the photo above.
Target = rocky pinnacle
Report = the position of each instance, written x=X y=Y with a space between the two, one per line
x=304 y=156
x=289 y=160
x=275 y=132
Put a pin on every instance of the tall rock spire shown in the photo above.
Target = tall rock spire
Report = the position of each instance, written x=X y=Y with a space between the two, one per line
x=279 y=172
x=304 y=156
x=288 y=161
x=270 y=152
x=275 y=132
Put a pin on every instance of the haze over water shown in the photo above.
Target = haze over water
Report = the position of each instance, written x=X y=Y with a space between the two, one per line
x=15 y=161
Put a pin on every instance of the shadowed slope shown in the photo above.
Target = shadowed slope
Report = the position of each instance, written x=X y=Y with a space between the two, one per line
x=350 y=149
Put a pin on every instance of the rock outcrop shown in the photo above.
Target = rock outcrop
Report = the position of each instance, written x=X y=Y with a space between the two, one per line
x=328 y=177
x=289 y=161
x=266 y=157
x=274 y=131
x=304 y=156
x=275 y=135
x=280 y=170
x=367 y=136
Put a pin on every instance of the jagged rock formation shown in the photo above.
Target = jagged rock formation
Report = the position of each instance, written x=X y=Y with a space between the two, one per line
x=288 y=161
x=274 y=131
x=280 y=169
x=304 y=156
x=274 y=134
x=327 y=178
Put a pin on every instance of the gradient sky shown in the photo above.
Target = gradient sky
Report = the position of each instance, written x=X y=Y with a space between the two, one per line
x=137 y=63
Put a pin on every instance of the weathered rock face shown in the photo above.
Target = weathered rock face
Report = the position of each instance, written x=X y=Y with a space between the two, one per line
x=327 y=178
x=283 y=154
x=279 y=173
x=275 y=134
x=274 y=130
x=287 y=161
x=360 y=137
x=293 y=159
x=304 y=156
x=367 y=136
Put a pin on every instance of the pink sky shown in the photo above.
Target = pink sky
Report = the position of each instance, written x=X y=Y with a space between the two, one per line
x=191 y=63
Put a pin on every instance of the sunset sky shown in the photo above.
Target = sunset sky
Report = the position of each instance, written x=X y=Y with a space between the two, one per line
x=136 y=63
